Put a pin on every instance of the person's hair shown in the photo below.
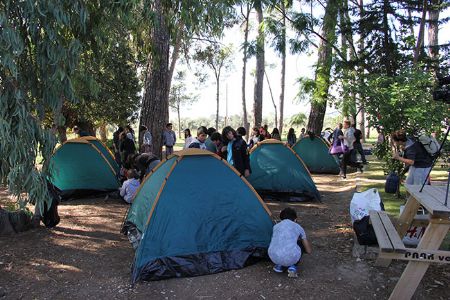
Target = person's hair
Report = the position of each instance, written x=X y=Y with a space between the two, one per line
x=122 y=135
x=291 y=132
x=399 y=136
x=275 y=131
x=142 y=128
x=187 y=133
x=75 y=128
x=129 y=128
x=120 y=129
x=202 y=130
x=132 y=173
x=241 y=131
x=303 y=129
x=210 y=131
x=215 y=136
x=311 y=135
x=225 y=132
x=288 y=213
x=354 y=125
x=266 y=127
x=168 y=124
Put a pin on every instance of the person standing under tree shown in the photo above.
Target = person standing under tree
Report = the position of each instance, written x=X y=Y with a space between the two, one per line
x=147 y=141
x=235 y=151
x=357 y=144
x=169 y=139
x=415 y=156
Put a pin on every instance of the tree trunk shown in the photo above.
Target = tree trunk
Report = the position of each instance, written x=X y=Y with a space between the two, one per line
x=217 y=100
x=419 y=44
x=179 y=121
x=259 y=80
x=244 y=72
x=433 y=30
x=283 y=69
x=324 y=62
x=362 y=98
x=155 y=105
x=102 y=130
x=62 y=133
x=273 y=100
x=387 y=49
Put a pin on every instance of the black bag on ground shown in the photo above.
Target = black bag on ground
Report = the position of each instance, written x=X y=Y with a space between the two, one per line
x=364 y=232
x=392 y=183
x=50 y=216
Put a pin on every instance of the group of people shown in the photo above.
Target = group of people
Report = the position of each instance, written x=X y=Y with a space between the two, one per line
x=350 y=137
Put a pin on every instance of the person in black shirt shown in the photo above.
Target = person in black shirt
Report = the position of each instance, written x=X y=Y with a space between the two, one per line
x=415 y=156
x=357 y=144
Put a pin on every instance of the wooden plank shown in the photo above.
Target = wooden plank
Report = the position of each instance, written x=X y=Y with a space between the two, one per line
x=408 y=214
x=382 y=237
x=396 y=242
x=429 y=256
x=428 y=199
x=413 y=274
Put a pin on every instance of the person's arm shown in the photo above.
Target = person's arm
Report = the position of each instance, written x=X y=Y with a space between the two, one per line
x=406 y=161
x=246 y=160
x=307 y=245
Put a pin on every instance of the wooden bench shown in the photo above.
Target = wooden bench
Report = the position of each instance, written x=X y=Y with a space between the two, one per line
x=387 y=237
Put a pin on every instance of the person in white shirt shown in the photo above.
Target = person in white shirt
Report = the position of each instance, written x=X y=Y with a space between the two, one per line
x=188 y=138
x=348 y=139
x=130 y=186
x=288 y=239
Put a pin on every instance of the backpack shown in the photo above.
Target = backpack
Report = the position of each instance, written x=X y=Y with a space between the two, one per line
x=430 y=144
x=364 y=232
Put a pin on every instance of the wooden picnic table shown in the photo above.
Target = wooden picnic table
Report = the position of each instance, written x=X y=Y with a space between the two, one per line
x=432 y=198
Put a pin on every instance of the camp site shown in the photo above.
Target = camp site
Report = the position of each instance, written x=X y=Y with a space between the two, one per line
x=224 y=149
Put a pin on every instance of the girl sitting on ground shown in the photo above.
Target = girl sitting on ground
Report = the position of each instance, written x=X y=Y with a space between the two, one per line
x=130 y=186
x=284 y=249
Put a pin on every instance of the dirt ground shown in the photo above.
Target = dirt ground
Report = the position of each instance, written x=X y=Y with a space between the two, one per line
x=86 y=257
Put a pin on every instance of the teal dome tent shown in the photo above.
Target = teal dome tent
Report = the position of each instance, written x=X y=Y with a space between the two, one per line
x=277 y=169
x=83 y=166
x=314 y=153
x=197 y=216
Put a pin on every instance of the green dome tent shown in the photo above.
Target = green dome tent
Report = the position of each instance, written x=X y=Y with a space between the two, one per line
x=83 y=166
x=197 y=216
x=276 y=168
x=314 y=153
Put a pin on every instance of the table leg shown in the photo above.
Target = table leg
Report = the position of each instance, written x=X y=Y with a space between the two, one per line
x=413 y=274
x=407 y=216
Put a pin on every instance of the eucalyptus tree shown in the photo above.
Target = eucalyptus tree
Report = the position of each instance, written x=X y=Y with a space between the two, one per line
x=219 y=59
x=276 y=28
x=323 y=68
x=39 y=51
x=169 y=25
x=246 y=8
x=259 y=75
x=179 y=97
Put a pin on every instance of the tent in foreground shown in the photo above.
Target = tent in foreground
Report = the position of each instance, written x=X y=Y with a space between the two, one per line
x=314 y=153
x=197 y=216
x=83 y=166
x=276 y=168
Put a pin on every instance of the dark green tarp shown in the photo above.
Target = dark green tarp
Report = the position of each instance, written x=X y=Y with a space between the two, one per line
x=79 y=167
x=276 y=168
x=315 y=155
x=198 y=217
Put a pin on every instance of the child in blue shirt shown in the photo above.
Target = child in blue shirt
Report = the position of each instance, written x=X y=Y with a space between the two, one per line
x=284 y=249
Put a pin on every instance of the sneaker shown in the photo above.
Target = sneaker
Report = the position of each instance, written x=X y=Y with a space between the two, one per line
x=278 y=268
x=292 y=272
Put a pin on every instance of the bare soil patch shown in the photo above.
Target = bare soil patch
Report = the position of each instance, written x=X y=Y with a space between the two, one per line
x=86 y=257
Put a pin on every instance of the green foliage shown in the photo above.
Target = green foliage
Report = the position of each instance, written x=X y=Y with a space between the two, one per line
x=299 y=119
x=39 y=50
x=402 y=102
